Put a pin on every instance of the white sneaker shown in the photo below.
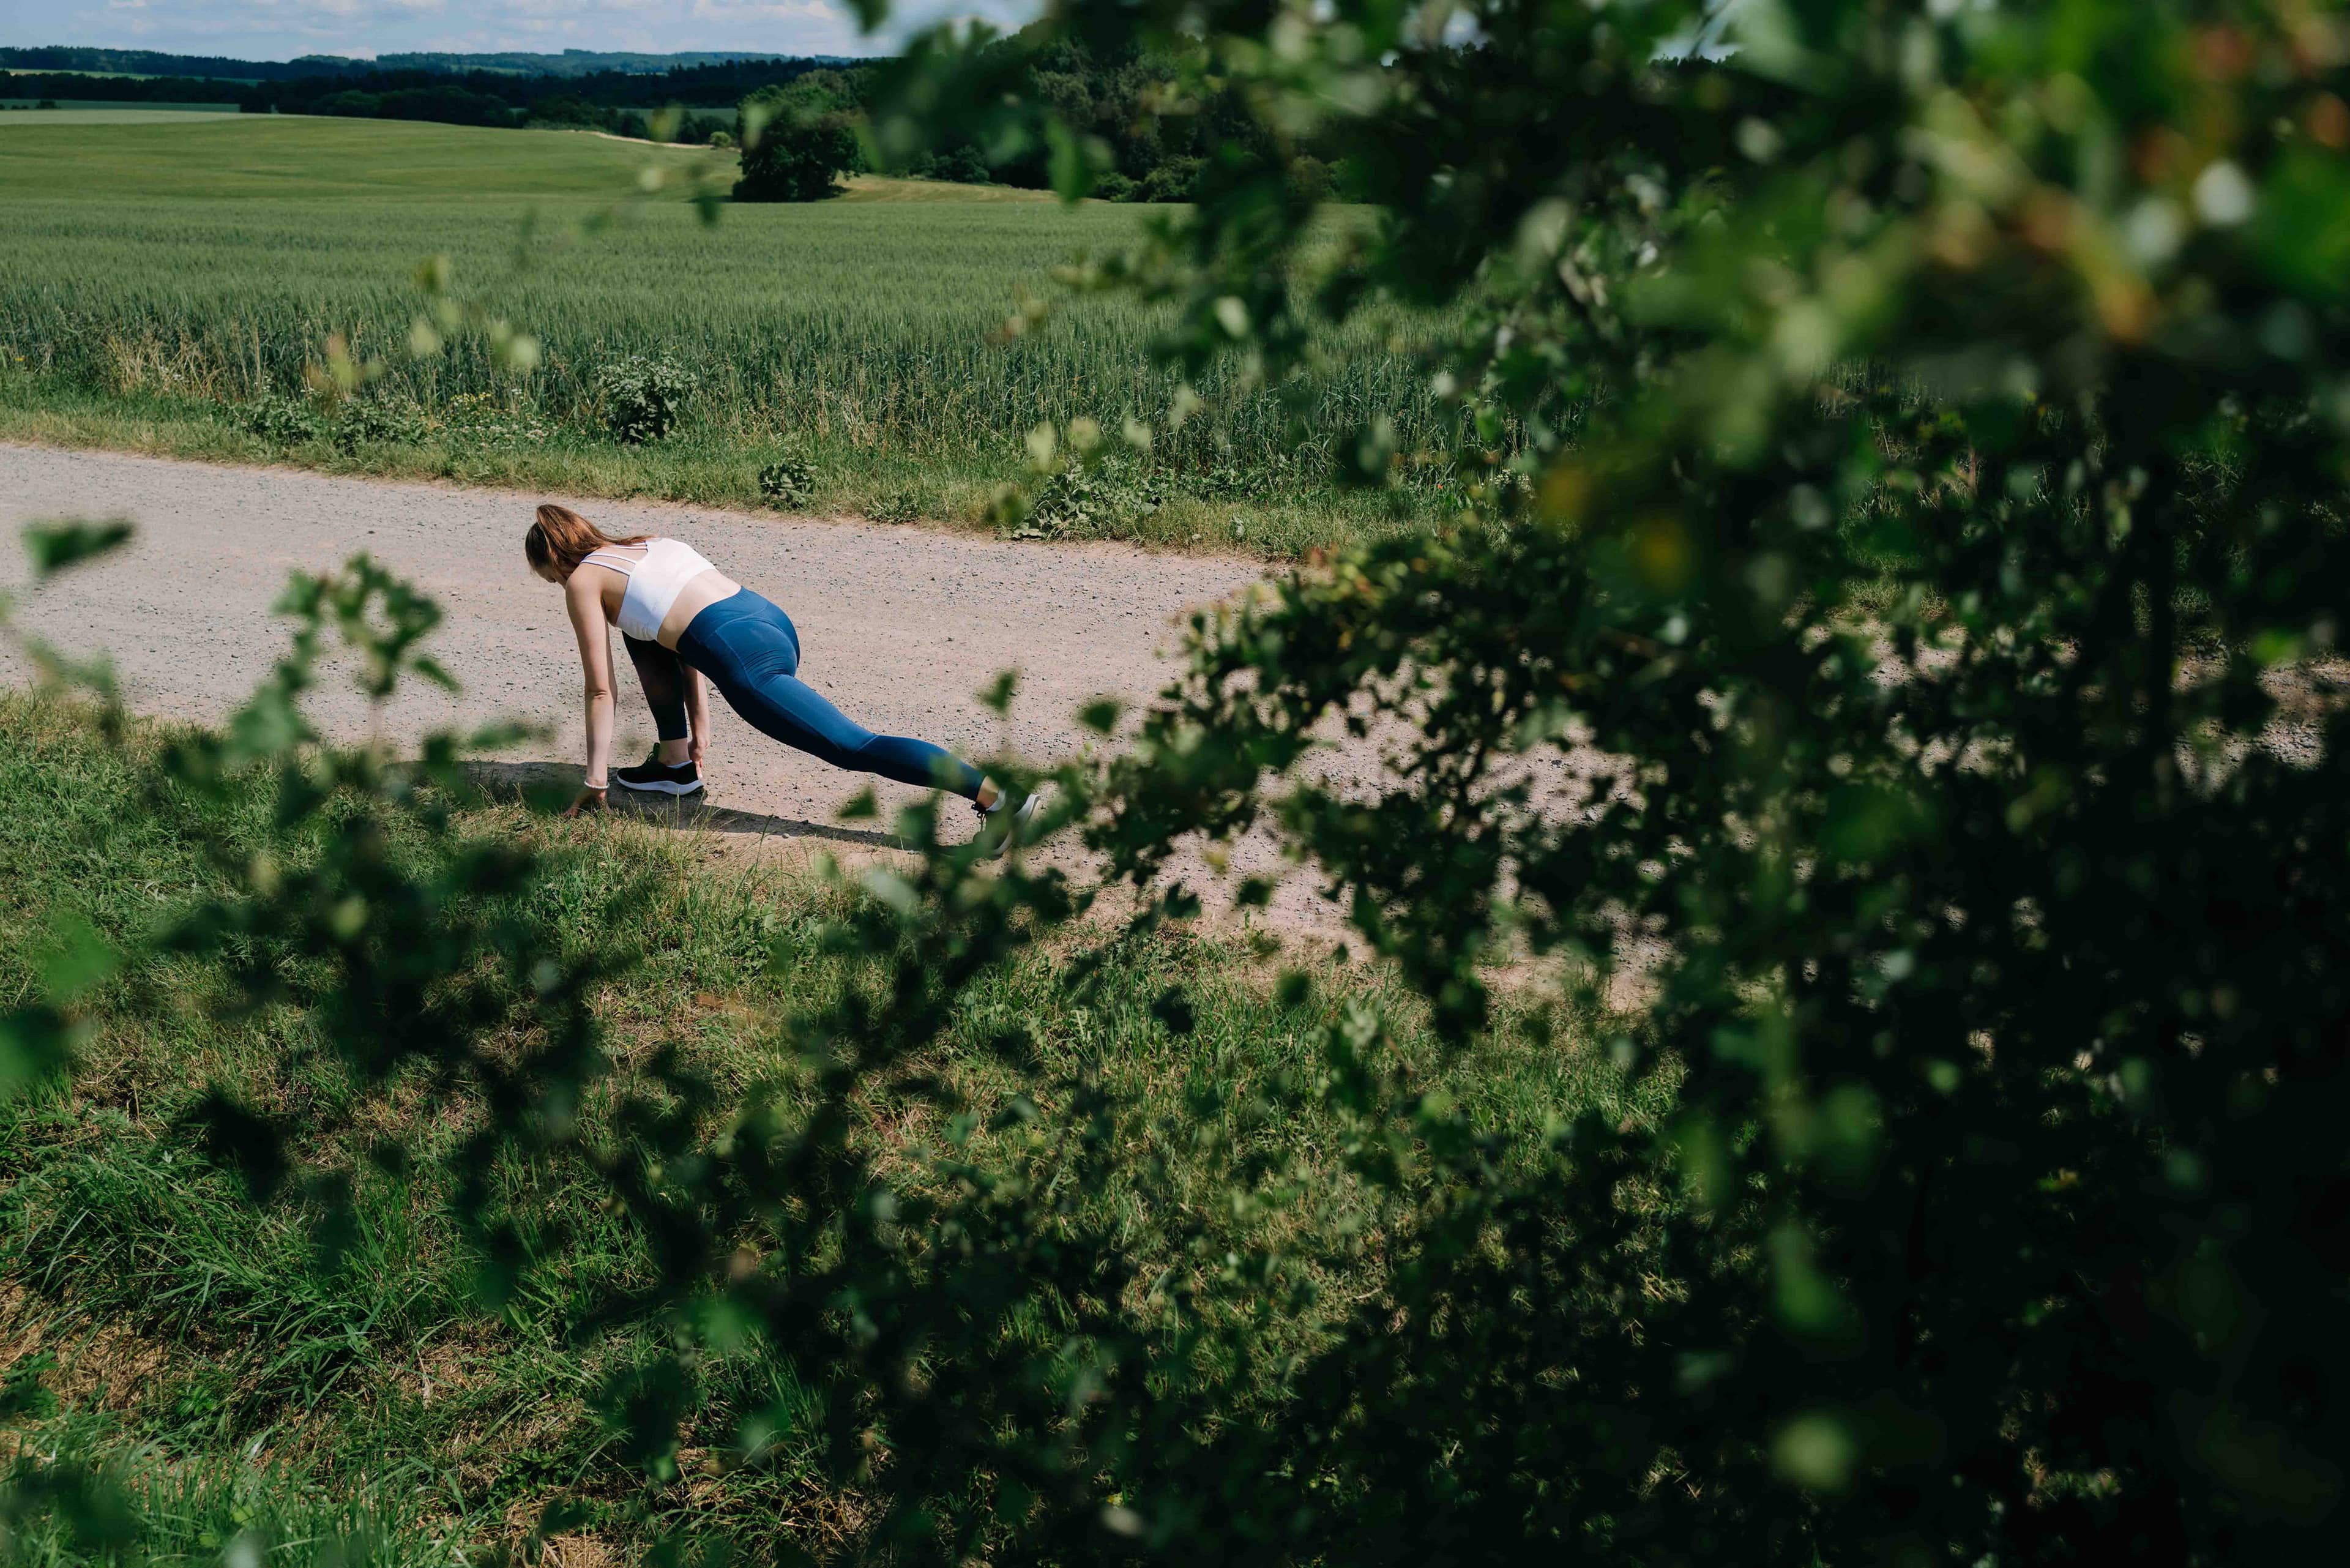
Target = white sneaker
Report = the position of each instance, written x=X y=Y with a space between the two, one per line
x=998 y=828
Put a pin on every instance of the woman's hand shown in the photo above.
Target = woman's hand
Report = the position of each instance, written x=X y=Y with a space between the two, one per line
x=590 y=800
x=694 y=750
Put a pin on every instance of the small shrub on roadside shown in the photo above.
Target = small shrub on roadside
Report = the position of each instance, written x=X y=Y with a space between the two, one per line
x=1226 y=480
x=788 y=481
x=644 y=397
x=1103 y=502
x=486 y=418
x=288 y=421
x=297 y=421
x=896 y=507
x=369 y=423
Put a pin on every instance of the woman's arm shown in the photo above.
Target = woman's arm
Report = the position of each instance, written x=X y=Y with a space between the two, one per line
x=581 y=597
x=697 y=712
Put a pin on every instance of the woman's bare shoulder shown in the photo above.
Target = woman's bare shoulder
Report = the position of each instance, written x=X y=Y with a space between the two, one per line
x=584 y=589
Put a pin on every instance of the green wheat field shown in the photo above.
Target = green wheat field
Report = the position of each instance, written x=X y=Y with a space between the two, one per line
x=154 y=279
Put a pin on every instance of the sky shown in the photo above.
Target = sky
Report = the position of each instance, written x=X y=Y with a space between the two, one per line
x=280 y=29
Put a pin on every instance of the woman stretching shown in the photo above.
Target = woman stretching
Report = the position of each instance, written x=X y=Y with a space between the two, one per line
x=680 y=619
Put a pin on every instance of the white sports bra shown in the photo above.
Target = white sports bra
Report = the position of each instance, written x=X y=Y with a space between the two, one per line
x=654 y=583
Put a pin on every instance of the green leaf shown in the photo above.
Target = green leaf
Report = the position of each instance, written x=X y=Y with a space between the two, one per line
x=34 y=1044
x=54 y=546
x=234 y=1136
x=82 y=960
x=2301 y=229
x=25 y=1392
x=1174 y=1010
x=1816 y=1450
x=1075 y=160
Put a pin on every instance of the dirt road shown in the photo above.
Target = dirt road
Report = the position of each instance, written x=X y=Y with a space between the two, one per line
x=901 y=626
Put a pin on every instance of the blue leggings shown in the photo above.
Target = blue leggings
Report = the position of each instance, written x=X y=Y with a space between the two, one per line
x=750 y=651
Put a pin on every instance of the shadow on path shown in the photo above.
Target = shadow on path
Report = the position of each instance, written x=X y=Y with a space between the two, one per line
x=516 y=780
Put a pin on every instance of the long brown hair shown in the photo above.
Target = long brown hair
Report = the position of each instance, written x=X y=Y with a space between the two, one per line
x=561 y=538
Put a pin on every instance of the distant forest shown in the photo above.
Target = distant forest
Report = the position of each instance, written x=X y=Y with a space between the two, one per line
x=121 y=90
x=1118 y=101
x=1154 y=156
x=616 y=101
x=569 y=63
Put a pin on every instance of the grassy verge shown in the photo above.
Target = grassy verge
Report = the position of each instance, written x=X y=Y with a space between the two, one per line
x=703 y=464
x=158 y=1326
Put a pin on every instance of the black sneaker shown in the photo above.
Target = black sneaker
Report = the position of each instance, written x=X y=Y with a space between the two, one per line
x=682 y=779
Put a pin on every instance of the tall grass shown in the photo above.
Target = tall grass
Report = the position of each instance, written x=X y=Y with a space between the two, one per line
x=243 y=1382
x=853 y=328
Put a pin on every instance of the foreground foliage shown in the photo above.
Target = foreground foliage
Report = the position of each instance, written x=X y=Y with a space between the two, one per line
x=1932 y=488
x=1923 y=502
x=204 y=1372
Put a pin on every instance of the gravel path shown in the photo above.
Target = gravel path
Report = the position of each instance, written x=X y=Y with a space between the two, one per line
x=901 y=626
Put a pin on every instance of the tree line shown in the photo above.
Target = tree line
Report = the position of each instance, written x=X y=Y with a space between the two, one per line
x=120 y=90
x=153 y=63
x=616 y=101
x=802 y=122
x=1147 y=118
x=1142 y=119
x=149 y=63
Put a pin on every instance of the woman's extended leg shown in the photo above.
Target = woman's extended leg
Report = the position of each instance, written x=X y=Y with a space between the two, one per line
x=751 y=652
x=791 y=711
